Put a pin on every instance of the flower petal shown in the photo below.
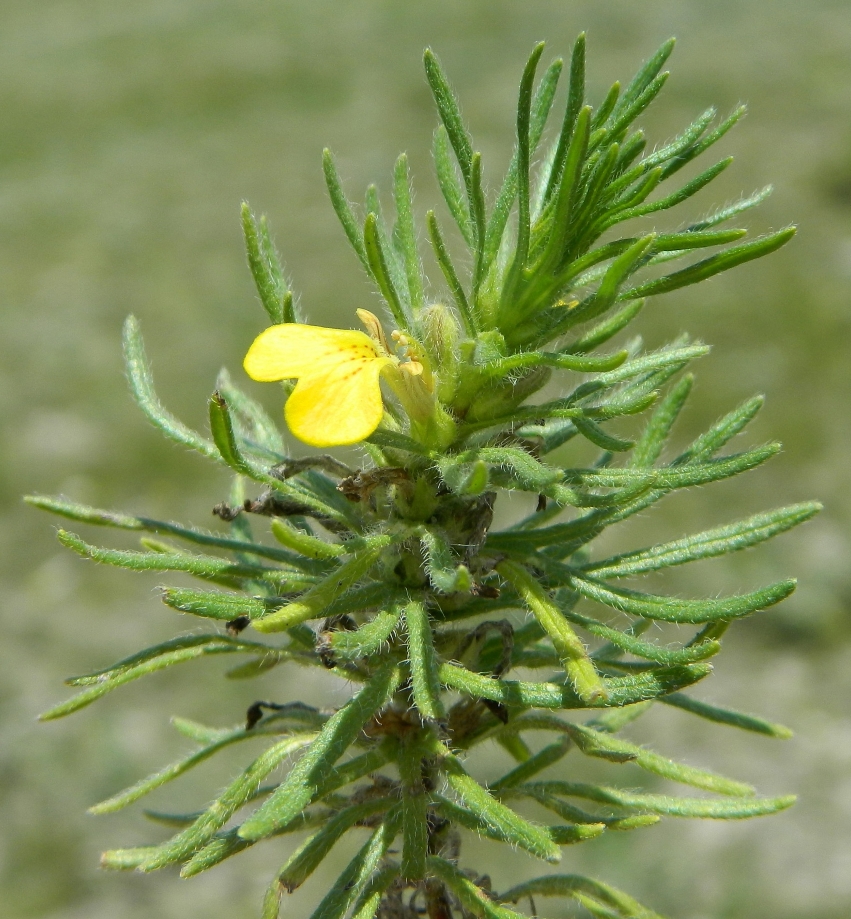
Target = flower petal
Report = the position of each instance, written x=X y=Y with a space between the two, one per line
x=340 y=405
x=291 y=350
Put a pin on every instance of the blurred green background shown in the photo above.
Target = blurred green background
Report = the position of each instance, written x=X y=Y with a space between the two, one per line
x=130 y=134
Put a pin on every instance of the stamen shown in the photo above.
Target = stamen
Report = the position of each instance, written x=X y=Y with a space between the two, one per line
x=374 y=329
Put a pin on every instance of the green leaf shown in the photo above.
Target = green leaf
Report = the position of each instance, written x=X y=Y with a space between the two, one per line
x=630 y=206
x=445 y=574
x=564 y=196
x=352 y=882
x=447 y=179
x=524 y=114
x=648 y=72
x=720 y=433
x=266 y=271
x=599 y=744
x=310 y=605
x=562 y=835
x=379 y=259
x=624 y=115
x=683 y=475
x=600 y=438
x=669 y=657
x=343 y=208
x=85 y=514
x=365 y=641
x=310 y=854
x=423 y=659
x=226 y=843
x=473 y=899
x=574 y=656
x=607 y=106
x=125 y=859
x=564 y=361
x=305 y=778
x=649 y=446
x=706 y=142
x=173 y=771
x=665 y=806
x=664 y=154
x=727 y=716
x=669 y=609
x=229 y=843
x=575 y=101
x=253 y=425
x=477 y=211
x=175 y=651
x=445 y=262
x=142 y=388
x=406 y=234
x=502 y=820
x=450 y=114
x=576 y=887
x=191 y=839
x=305 y=543
x=732 y=210
x=415 y=807
x=621 y=690
x=221 y=427
x=708 y=544
x=216 y=604
x=370 y=900
x=201 y=566
x=541 y=105
x=713 y=265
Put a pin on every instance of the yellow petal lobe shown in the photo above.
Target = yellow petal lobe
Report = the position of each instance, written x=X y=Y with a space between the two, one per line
x=340 y=406
x=292 y=350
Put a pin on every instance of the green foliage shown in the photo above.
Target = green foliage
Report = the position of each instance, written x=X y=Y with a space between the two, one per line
x=399 y=564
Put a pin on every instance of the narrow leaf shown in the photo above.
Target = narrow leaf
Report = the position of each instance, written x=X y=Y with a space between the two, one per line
x=577 y=664
x=621 y=690
x=407 y=234
x=665 y=806
x=142 y=388
x=343 y=208
x=305 y=778
x=708 y=544
x=447 y=179
x=670 y=609
x=351 y=883
x=177 y=651
x=597 y=743
x=186 y=843
x=577 y=887
x=269 y=282
x=365 y=641
x=473 y=899
x=504 y=821
x=727 y=716
x=311 y=604
x=423 y=662
x=415 y=804
x=309 y=855
x=445 y=262
x=713 y=265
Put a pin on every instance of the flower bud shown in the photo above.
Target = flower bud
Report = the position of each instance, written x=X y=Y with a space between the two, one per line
x=439 y=331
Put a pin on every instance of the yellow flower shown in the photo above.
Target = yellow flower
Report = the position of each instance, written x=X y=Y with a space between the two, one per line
x=337 y=399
